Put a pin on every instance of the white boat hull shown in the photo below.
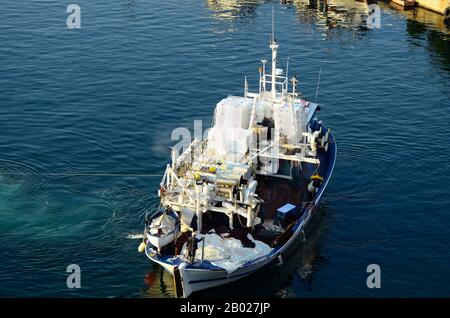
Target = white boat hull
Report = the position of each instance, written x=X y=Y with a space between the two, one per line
x=160 y=242
x=198 y=279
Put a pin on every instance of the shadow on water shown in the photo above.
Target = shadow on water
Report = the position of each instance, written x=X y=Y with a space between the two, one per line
x=438 y=43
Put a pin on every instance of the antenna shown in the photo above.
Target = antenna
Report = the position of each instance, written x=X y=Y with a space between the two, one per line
x=287 y=66
x=273 y=23
x=318 y=83
x=274 y=47
x=287 y=74
x=245 y=87
x=263 y=74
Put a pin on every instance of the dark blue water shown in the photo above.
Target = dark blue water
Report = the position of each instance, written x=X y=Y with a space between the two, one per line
x=86 y=118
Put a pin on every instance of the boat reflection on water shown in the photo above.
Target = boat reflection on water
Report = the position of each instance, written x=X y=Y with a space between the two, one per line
x=419 y=14
x=310 y=255
x=232 y=9
x=158 y=284
x=333 y=14
x=438 y=42
x=422 y=23
x=327 y=14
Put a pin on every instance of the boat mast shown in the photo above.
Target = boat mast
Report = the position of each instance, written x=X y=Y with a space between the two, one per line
x=274 y=48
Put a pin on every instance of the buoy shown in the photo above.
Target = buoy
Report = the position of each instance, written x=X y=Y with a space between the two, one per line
x=212 y=169
x=141 y=247
x=315 y=183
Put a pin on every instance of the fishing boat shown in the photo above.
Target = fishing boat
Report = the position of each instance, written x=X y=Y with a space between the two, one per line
x=235 y=202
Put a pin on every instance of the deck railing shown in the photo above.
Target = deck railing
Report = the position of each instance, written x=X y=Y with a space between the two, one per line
x=280 y=83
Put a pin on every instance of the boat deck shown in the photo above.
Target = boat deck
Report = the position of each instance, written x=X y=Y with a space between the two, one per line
x=276 y=192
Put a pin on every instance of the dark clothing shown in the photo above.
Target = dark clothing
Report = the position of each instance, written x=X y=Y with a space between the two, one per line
x=241 y=235
x=192 y=247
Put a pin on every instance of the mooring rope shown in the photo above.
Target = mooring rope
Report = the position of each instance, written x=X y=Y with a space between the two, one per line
x=81 y=174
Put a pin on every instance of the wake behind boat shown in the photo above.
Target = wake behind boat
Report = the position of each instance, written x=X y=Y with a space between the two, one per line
x=235 y=202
